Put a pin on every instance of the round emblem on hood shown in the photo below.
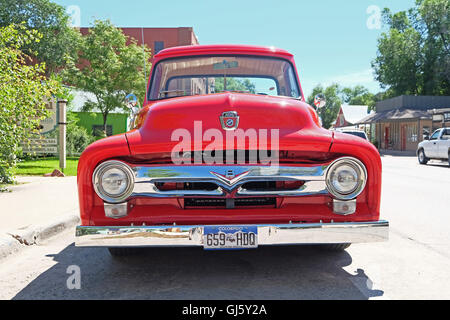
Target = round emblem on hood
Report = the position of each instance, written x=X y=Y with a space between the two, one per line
x=229 y=120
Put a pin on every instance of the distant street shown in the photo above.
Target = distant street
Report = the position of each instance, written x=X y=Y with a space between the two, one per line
x=414 y=264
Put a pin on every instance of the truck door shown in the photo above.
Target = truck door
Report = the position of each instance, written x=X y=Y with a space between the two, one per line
x=431 y=147
x=444 y=144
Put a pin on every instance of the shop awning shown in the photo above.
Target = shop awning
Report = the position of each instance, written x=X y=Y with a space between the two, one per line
x=396 y=114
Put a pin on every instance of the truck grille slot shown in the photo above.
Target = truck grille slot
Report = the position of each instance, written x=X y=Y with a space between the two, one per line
x=273 y=185
x=229 y=203
x=250 y=202
x=170 y=186
x=232 y=156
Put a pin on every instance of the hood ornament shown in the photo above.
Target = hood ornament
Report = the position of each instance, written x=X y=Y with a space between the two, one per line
x=229 y=120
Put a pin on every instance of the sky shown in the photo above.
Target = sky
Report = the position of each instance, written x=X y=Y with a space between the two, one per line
x=332 y=41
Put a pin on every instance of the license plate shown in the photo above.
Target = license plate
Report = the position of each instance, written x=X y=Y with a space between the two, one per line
x=230 y=237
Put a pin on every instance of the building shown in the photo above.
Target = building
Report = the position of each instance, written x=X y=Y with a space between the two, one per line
x=401 y=123
x=159 y=38
x=349 y=116
x=117 y=122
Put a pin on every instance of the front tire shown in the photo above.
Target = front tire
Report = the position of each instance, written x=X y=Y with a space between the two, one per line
x=422 y=158
x=336 y=247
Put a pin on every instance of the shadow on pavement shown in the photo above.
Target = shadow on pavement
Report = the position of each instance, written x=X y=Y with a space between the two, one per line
x=439 y=164
x=305 y=272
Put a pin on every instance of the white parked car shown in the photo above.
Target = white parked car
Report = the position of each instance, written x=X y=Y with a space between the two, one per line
x=354 y=132
x=436 y=147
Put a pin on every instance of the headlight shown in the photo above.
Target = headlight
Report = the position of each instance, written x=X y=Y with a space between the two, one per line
x=113 y=181
x=346 y=178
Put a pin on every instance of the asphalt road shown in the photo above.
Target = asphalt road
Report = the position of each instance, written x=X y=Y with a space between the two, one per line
x=414 y=264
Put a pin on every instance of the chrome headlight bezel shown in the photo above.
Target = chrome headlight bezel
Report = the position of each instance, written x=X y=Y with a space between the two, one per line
x=97 y=181
x=361 y=171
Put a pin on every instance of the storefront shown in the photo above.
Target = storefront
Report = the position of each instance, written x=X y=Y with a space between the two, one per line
x=402 y=123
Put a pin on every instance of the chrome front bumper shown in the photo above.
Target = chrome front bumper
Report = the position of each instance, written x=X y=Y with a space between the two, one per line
x=192 y=236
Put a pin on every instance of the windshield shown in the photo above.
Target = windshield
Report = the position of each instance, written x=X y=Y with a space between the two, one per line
x=356 y=133
x=435 y=135
x=209 y=75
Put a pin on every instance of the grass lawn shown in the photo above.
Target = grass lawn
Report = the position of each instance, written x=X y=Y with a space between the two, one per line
x=42 y=166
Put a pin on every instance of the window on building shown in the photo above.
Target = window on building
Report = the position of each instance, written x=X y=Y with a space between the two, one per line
x=426 y=131
x=447 y=116
x=412 y=133
x=97 y=130
x=159 y=45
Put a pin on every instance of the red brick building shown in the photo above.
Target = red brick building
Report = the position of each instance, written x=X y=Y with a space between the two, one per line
x=159 y=38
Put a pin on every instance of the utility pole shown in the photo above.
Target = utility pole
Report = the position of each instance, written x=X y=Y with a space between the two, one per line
x=62 y=104
x=145 y=62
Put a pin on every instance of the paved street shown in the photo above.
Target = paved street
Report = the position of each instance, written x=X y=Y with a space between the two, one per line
x=414 y=264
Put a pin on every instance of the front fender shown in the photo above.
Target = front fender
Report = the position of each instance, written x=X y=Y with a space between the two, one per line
x=99 y=151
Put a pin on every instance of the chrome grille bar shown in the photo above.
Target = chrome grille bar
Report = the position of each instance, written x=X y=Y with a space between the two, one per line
x=228 y=179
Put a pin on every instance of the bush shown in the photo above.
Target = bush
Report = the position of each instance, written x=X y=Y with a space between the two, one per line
x=24 y=91
x=77 y=140
x=77 y=137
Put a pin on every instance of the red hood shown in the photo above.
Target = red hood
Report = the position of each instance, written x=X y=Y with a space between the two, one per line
x=294 y=119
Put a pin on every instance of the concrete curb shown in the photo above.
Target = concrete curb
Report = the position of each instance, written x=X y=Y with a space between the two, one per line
x=17 y=240
x=9 y=246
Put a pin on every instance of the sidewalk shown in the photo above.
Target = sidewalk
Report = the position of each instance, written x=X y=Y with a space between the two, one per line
x=37 y=200
x=396 y=153
x=37 y=207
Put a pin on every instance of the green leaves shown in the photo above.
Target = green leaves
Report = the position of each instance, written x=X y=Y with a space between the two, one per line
x=359 y=95
x=108 y=68
x=58 y=39
x=235 y=85
x=336 y=96
x=24 y=91
x=414 y=54
x=329 y=113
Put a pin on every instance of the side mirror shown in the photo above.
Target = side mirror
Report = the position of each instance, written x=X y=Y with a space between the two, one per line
x=320 y=101
x=131 y=100
x=132 y=103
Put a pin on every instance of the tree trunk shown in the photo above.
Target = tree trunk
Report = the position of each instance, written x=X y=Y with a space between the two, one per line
x=105 y=118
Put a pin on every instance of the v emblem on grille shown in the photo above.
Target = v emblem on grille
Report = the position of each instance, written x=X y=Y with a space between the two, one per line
x=230 y=178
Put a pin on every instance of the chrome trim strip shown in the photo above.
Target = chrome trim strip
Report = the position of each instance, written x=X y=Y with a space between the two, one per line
x=192 y=236
x=147 y=176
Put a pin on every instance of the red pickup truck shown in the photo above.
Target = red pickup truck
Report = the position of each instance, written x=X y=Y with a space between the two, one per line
x=226 y=154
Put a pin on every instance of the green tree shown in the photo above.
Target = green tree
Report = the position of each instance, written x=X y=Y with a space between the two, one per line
x=414 y=54
x=108 y=68
x=329 y=113
x=235 y=85
x=359 y=95
x=24 y=91
x=58 y=39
